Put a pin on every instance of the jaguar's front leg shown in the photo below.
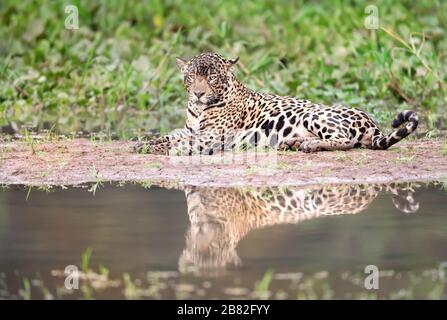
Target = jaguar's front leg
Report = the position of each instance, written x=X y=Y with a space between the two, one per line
x=148 y=148
x=164 y=145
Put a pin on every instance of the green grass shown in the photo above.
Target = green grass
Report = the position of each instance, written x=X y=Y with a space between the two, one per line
x=154 y=165
x=85 y=260
x=262 y=287
x=26 y=292
x=444 y=151
x=98 y=181
x=117 y=73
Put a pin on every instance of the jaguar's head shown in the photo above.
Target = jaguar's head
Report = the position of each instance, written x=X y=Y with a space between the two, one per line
x=207 y=77
x=209 y=249
x=211 y=239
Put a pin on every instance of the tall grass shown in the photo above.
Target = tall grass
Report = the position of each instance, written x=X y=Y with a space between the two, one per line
x=117 y=72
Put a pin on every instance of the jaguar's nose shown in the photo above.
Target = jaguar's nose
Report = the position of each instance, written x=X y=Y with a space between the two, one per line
x=199 y=94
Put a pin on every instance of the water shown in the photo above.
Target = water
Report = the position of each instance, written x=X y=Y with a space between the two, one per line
x=277 y=243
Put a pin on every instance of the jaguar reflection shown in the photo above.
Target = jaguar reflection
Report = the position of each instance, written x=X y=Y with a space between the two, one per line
x=221 y=217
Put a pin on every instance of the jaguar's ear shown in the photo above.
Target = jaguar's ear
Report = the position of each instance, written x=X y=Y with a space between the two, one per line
x=232 y=62
x=181 y=64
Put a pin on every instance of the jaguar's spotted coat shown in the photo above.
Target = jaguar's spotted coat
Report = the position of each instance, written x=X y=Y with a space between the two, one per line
x=223 y=114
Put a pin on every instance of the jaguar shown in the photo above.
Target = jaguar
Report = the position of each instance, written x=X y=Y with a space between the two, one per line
x=223 y=114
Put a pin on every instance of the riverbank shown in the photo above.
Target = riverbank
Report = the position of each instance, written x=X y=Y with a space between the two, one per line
x=81 y=161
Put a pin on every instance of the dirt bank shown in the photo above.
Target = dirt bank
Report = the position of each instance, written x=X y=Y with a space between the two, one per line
x=81 y=161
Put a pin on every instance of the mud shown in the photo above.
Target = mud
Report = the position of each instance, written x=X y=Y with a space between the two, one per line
x=81 y=161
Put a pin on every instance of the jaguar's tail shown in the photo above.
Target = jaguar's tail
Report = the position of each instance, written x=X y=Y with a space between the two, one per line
x=410 y=118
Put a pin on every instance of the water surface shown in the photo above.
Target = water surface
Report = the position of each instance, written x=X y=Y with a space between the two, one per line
x=199 y=242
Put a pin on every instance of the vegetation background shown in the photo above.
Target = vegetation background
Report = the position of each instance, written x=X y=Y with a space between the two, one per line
x=117 y=73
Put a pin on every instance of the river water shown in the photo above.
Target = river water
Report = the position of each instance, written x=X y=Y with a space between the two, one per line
x=139 y=242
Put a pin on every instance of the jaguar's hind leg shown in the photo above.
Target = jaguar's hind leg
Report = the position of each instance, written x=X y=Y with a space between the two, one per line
x=331 y=144
x=292 y=143
x=330 y=132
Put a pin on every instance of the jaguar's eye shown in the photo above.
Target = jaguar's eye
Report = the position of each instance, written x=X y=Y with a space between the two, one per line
x=212 y=78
